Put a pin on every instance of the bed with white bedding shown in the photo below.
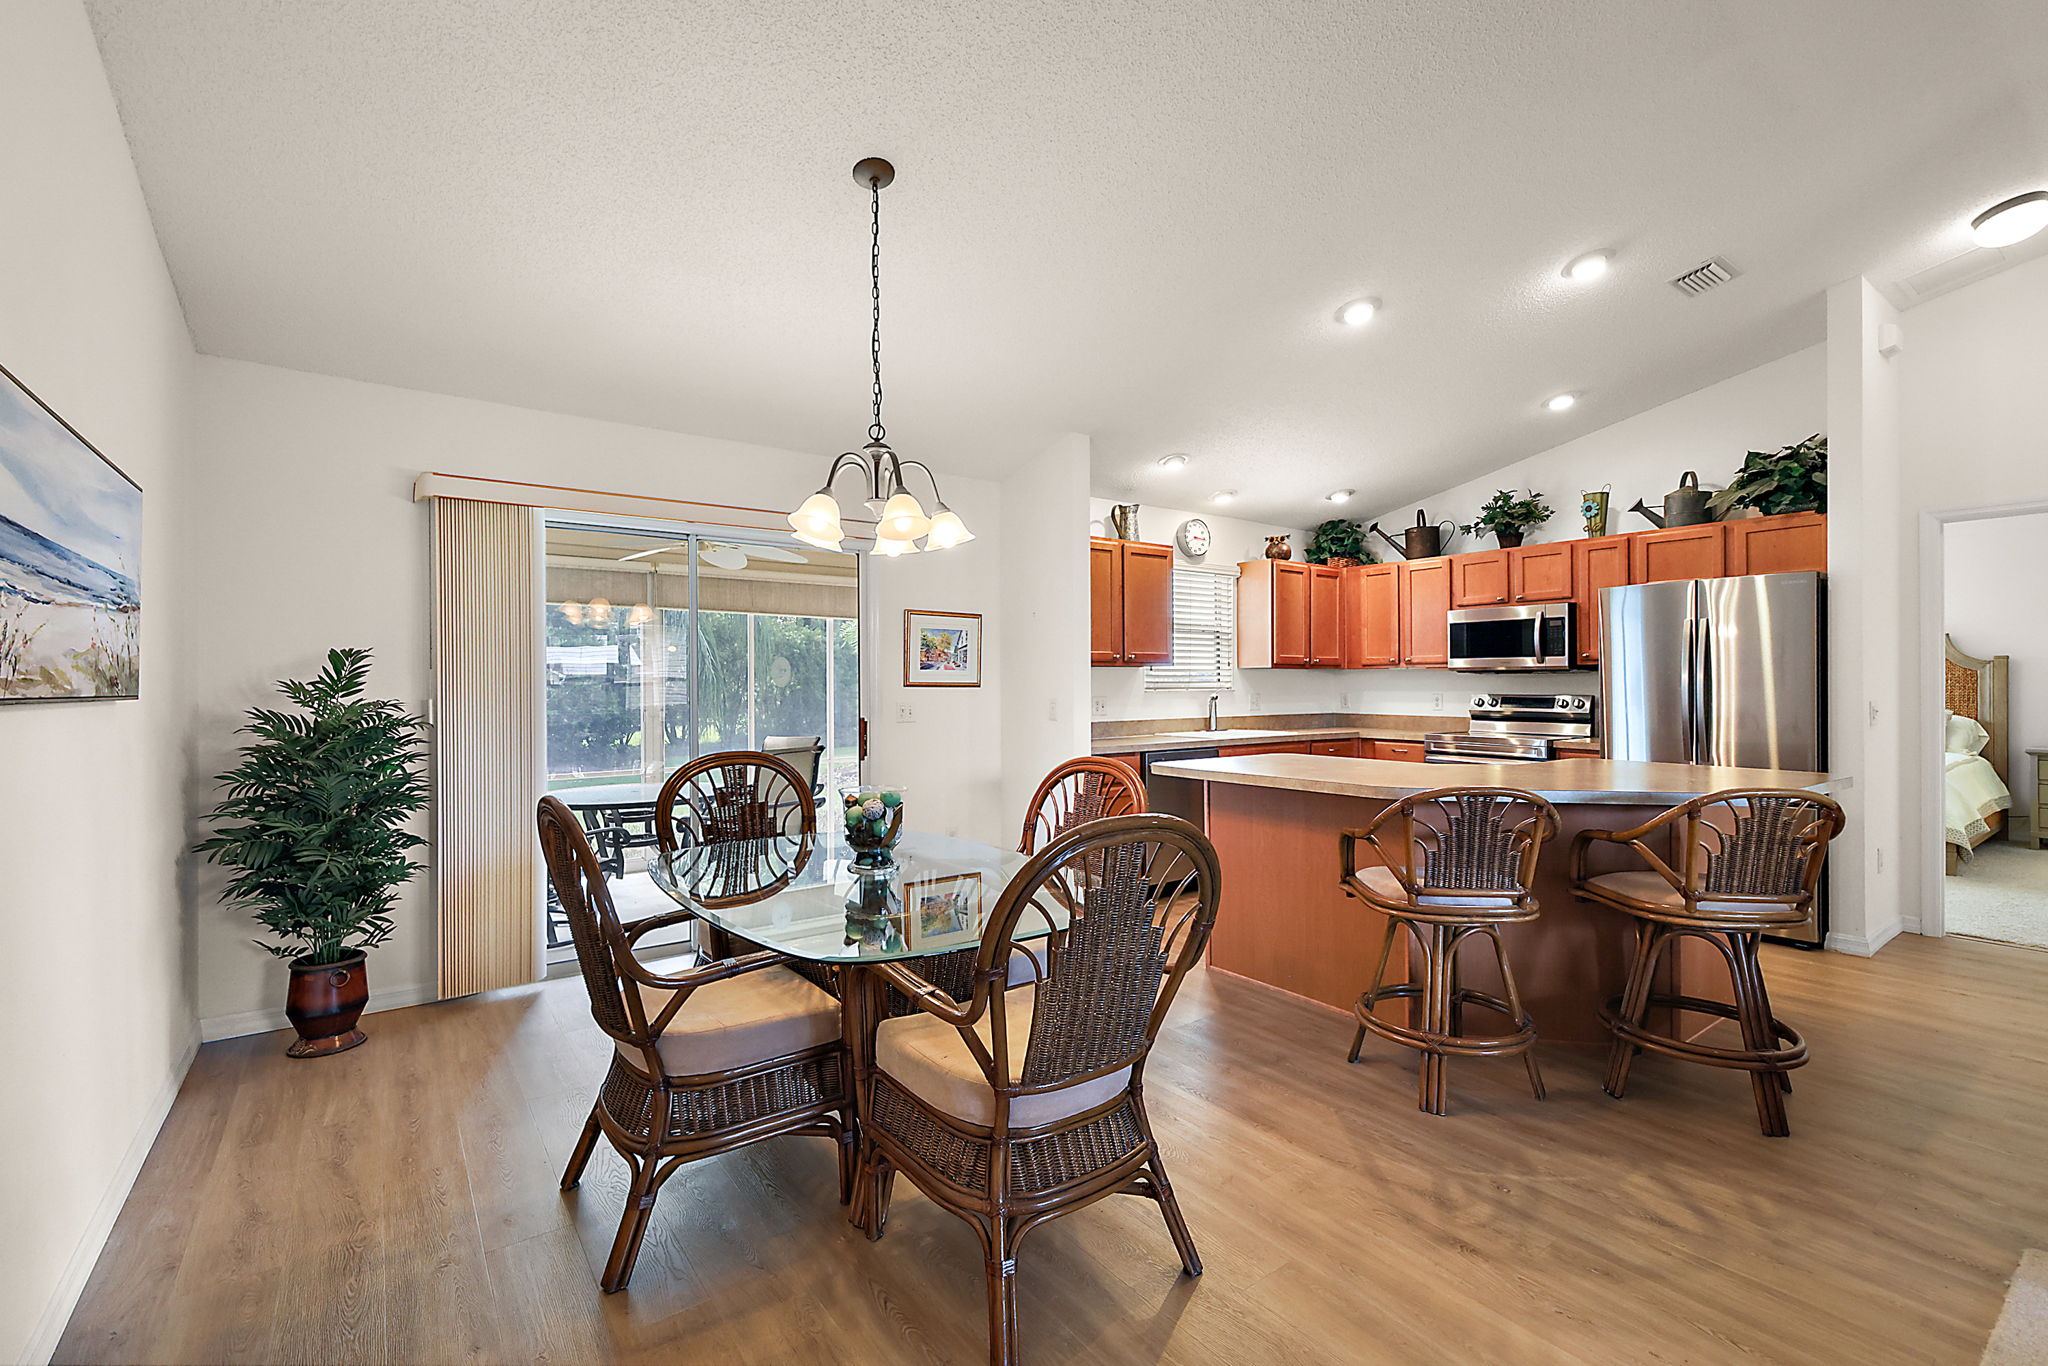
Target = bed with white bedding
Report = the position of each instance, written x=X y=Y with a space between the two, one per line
x=1975 y=781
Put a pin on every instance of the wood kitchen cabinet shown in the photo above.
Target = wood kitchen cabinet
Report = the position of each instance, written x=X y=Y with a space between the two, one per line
x=1425 y=605
x=1371 y=604
x=1686 y=552
x=1130 y=595
x=1597 y=562
x=1479 y=578
x=1273 y=610
x=1325 y=617
x=1340 y=749
x=1541 y=573
x=1785 y=544
x=1404 y=751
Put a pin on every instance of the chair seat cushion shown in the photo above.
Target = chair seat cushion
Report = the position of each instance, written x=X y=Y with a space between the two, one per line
x=1653 y=890
x=767 y=1013
x=1384 y=885
x=928 y=1058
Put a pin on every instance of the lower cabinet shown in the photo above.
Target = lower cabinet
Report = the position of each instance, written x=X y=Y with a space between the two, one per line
x=1403 y=751
x=1339 y=749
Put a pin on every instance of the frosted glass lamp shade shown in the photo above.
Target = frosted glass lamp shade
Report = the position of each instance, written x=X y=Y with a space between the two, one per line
x=902 y=519
x=892 y=546
x=829 y=542
x=819 y=516
x=948 y=530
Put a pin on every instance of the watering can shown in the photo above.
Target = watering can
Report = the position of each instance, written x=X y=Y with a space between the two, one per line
x=1685 y=505
x=1421 y=541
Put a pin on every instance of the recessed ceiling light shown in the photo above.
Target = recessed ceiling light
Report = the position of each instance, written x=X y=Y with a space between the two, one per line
x=1222 y=495
x=1560 y=402
x=1341 y=495
x=1172 y=463
x=1358 y=312
x=2012 y=220
x=1587 y=268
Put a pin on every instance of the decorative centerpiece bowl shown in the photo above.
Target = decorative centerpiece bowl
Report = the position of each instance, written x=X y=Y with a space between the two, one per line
x=874 y=822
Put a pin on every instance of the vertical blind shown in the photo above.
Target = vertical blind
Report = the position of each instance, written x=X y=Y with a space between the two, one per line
x=1204 y=632
x=487 y=755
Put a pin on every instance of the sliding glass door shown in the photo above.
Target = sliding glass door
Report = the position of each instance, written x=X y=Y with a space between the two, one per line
x=666 y=643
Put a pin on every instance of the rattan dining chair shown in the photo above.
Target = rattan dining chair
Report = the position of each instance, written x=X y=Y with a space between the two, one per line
x=704 y=1060
x=1079 y=791
x=1744 y=862
x=1456 y=862
x=1025 y=1101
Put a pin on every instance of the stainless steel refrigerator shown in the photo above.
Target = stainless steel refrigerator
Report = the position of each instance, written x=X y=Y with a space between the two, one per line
x=1717 y=671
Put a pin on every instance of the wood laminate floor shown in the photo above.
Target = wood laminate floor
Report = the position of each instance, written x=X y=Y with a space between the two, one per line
x=398 y=1203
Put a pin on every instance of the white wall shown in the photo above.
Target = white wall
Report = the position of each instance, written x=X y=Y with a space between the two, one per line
x=95 y=997
x=1996 y=600
x=1045 y=618
x=304 y=535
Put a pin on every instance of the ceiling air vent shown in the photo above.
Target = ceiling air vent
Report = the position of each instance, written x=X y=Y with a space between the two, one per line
x=1706 y=275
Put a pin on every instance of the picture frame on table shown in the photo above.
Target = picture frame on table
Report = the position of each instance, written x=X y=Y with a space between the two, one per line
x=943 y=912
x=942 y=649
x=70 y=560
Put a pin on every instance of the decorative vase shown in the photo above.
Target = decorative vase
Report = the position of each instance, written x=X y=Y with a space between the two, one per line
x=1123 y=521
x=323 y=1002
x=1278 y=549
x=874 y=822
x=1509 y=539
x=1593 y=507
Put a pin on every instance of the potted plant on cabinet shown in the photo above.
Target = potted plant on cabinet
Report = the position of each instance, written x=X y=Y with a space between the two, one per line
x=313 y=829
x=1794 y=479
x=1338 y=542
x=1508 y=517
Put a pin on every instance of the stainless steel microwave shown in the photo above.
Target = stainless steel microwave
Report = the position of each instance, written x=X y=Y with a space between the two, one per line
x=1537 y=635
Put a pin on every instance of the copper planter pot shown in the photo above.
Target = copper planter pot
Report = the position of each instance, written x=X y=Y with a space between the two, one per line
x=323 y=1003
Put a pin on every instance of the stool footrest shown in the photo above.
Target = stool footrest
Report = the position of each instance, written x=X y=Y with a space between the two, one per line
x=1792 y=1055
x=1466 y=1045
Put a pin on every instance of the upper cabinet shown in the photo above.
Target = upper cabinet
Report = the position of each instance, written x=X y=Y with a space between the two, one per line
x=1372 y=617
x=1778 y=545
x=1479 y=578
x=1683 y=552
x=1541 y=573
x=1130 y=594
x=1273 y=610
x=1425 y=611
x=1597 y=562
x=1325 y=617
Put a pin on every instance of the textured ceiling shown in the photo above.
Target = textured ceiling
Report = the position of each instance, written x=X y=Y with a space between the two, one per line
x=1133 y=220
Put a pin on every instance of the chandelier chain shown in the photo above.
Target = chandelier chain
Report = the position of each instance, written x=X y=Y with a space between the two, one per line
x=876 y=432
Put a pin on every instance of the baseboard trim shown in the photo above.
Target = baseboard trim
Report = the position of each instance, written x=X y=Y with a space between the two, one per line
x=1865 y=945
x=264 y=1021
x=49 y=1329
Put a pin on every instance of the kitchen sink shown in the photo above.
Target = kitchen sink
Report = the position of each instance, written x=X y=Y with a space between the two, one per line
x=1222 y=734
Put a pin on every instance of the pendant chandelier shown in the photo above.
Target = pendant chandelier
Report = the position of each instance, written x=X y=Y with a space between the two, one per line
x=900 y=520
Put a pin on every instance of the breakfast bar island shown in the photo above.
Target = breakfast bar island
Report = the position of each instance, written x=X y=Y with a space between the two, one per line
x=1275 y=820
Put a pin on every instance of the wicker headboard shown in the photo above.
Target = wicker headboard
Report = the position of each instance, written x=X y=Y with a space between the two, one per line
x=1976 y=688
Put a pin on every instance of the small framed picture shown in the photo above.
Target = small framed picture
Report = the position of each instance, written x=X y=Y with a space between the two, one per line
x=941 y=649
x=943 y=912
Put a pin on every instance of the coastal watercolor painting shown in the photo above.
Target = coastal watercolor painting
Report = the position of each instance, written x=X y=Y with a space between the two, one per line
x=70 y=561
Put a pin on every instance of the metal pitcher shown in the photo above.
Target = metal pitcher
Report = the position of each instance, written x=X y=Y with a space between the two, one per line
x=1421 y=541
x=1123 y=521
x=1685 y=505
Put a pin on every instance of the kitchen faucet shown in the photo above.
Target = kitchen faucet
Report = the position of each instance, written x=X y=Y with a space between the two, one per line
x=1214 y=698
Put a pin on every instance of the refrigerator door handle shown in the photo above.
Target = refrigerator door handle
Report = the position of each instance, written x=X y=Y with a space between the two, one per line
x=1695 y=690
x=1703 y=693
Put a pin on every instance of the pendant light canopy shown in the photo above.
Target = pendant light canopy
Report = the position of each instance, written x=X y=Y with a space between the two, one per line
x=900 y=520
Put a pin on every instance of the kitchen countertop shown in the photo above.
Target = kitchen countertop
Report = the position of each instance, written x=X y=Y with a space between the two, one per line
x=1576 y=782
x=1142 y=744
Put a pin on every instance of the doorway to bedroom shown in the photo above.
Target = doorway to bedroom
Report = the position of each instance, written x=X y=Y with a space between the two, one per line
x=1995 y=732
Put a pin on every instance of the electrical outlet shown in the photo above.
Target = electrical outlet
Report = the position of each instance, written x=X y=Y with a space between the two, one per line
x=1255 y=701
x=1343 y=701
x=1101 y=706
x=905 y=714
x=1436 y=702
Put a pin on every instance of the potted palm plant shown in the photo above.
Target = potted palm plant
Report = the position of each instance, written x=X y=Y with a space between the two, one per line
x=1508 y=517
x=313 y=831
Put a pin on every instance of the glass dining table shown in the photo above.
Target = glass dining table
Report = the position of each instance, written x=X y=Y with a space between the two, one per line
x=805 y=896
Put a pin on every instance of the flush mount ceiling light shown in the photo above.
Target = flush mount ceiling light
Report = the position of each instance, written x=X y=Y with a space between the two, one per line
x=2012 y=220
x=1588 y=268
x=1339 y=496
x=1173 y=464
x=900 y=519
x=1559 y=402
x=1222 y=495
x=1358 y=312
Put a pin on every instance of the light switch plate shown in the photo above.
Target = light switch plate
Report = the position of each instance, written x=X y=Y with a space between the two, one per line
x=1101 y=706
x=905 y=713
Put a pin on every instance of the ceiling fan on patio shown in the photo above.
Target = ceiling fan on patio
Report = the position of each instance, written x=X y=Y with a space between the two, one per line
x=724 y=554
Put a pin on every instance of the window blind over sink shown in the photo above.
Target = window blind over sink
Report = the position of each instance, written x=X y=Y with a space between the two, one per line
x=1204 y=633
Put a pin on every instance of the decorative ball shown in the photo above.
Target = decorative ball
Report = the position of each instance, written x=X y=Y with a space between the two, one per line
x=873 y=808
x=892 y=799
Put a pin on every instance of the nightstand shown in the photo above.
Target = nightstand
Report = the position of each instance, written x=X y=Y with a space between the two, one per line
x=2039 y=781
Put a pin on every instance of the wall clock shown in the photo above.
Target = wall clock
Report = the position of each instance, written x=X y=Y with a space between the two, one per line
x=1193 y=537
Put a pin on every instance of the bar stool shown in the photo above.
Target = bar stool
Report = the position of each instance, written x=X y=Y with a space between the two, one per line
x=1458 y=862
x=1747 y=860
